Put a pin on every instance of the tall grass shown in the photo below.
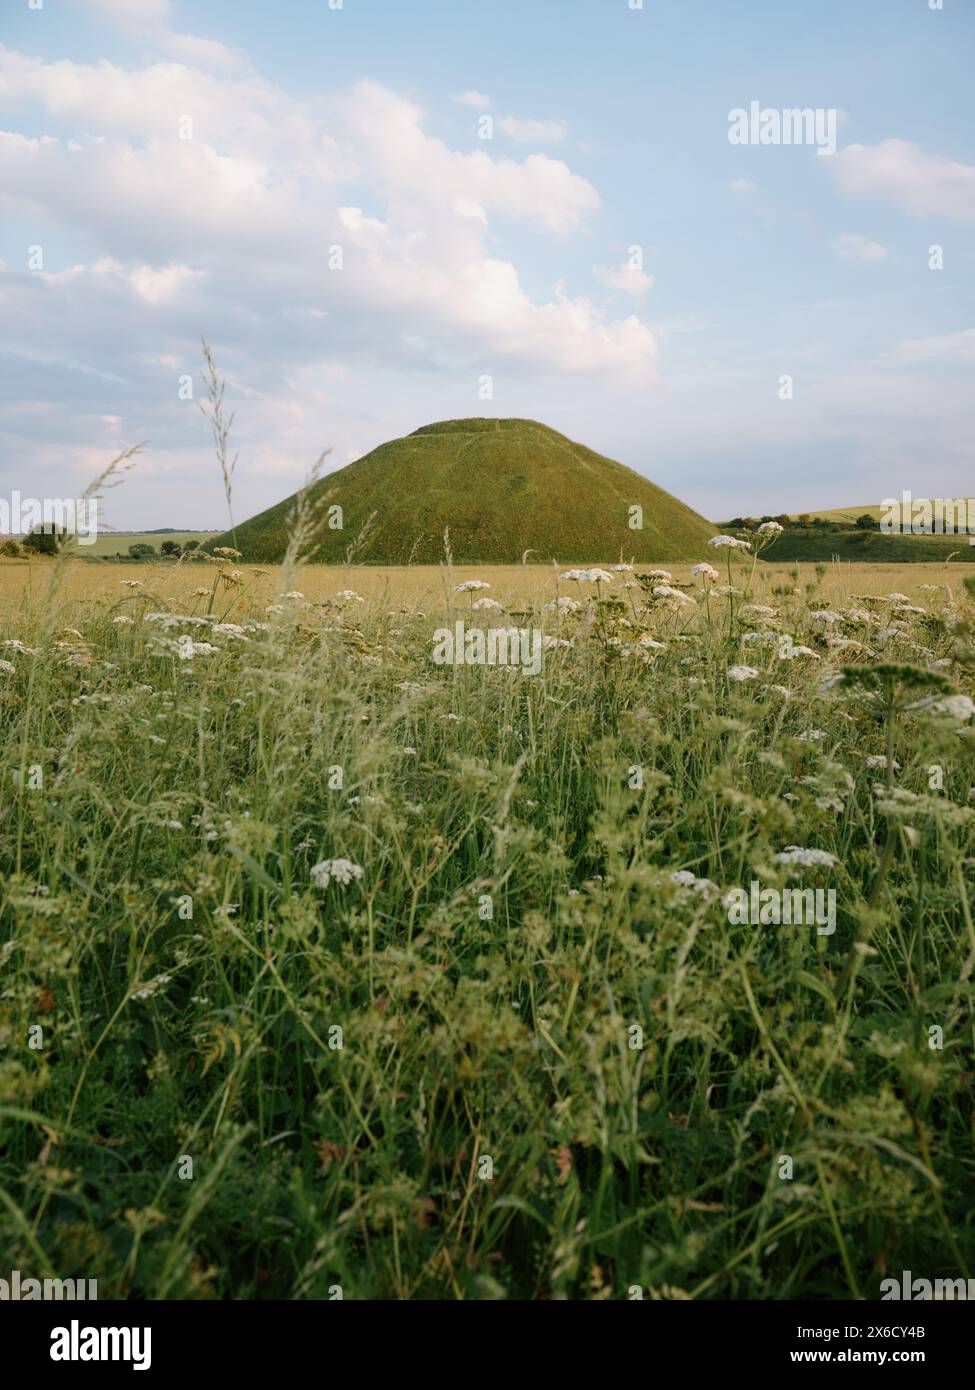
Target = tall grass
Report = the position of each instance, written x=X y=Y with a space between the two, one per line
x=429 y=1082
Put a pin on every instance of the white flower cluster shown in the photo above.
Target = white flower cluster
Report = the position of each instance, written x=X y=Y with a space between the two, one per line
x=343 y=871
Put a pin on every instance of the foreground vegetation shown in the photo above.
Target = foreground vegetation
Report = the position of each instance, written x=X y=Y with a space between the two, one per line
x=500 y=1051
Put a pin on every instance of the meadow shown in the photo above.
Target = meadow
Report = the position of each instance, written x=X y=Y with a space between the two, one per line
x=329 y=972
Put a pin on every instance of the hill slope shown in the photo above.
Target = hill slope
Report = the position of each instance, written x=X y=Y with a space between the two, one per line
x=502 y=487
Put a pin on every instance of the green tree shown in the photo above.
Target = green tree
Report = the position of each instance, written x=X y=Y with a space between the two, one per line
x=45 y=539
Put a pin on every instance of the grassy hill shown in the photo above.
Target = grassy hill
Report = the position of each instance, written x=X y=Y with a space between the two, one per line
x=850 y=514
x=502 y=487
x=111 y=543
x=862 y=546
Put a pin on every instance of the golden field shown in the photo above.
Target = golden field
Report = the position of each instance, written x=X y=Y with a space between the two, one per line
x=516 y=586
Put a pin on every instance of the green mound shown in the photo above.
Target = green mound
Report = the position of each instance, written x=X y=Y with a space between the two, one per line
x=501 y=487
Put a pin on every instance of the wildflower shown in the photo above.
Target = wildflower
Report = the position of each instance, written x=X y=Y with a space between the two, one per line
x=487 y=603
x=132 y=583
x=770 y=528
x=685 y=879
x=665 y=575
x=623 y=569
x=874 y=760
x=956 y=706
x=729 y=543
x=8 y=667
x=122 y=620
x=343 y=871
x=674 y=595
x=812 y=735
x=703 y=571
x=795 y=854
x=593 y=576
x=143 y=991
x=349 y=596
x=742 y=673
x=562 y=605
x=826 y=615
x=293 y=594
x=409 y=752
x=470 y=586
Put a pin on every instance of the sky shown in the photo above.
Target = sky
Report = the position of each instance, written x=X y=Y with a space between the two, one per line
x=383 y=213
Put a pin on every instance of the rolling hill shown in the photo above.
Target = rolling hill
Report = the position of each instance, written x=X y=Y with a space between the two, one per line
x=502 y=487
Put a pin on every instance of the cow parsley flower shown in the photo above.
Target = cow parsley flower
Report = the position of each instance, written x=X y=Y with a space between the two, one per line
x=729 y=543
x=685 y=879
x=470 y=586
x=796 y=854
x=674 y=595
x=742 y=673
x=956 y=706
x=343 y=871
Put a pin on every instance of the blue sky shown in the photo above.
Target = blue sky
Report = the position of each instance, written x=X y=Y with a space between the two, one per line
x=465 y=258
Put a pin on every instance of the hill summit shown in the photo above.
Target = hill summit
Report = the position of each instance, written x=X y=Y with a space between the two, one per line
x=501 y=487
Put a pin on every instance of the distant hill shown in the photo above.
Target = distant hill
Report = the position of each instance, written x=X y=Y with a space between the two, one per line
x=844 y=513
x=502 y=487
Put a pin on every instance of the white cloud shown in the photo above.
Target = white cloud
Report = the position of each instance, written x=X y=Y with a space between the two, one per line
x=625 y=278
x=907 y=176
x=946 y=348
x=533 y=132
x=743 y=185
x=477 y=99
x=128 y=14
x=857 y=248
x=229 y=233
x=146 y=20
